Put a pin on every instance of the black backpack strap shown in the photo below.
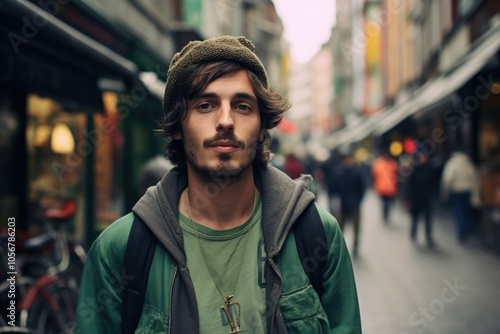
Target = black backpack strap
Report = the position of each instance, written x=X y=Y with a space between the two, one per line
x=137 y=262
x=312 y=245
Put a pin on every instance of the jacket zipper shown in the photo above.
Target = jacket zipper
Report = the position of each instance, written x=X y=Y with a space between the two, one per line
x=275 y=306
x=170 y=302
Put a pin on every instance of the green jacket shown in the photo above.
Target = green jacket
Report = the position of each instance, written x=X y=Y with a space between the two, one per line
x=170 y=303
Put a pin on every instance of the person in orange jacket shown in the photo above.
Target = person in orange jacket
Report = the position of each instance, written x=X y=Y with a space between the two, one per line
x=385 y=181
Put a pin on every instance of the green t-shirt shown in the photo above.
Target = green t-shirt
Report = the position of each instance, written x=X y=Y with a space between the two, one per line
x=226 y=252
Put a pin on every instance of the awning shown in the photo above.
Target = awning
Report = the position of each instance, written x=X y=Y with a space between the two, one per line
x=353 y=133
x=440 y=92
x=67 y=37
x=395 y=115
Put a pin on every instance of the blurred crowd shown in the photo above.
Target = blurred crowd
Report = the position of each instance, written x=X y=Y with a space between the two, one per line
x=420 y=182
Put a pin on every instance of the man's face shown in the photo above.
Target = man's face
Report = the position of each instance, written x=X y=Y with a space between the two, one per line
x=222 y=127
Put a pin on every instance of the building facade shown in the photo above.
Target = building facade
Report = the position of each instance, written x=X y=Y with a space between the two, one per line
x=81 y=90
x=439 y=87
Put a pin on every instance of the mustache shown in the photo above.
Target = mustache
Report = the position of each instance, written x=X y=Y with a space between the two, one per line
x=224 y=136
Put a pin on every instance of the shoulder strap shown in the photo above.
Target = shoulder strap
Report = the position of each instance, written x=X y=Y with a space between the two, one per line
x=137 y=262
x=309 y=235
x=312 y=245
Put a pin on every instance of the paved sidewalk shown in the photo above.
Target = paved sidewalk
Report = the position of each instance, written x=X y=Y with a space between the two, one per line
x=406 y=288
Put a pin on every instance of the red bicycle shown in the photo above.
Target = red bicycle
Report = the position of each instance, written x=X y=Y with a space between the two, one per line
x=46 y=281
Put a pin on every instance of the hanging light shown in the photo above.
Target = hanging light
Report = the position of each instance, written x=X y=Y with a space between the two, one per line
x=62 y=140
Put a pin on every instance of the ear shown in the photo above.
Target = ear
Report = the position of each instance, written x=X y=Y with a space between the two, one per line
x=176 y=136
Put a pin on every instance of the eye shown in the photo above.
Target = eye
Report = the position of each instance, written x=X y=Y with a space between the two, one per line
x=243 y=107
x=204 y=106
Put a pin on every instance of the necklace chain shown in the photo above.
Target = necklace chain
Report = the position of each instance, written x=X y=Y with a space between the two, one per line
x=235 y=326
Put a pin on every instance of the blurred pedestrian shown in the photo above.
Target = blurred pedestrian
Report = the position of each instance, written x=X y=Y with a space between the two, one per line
x=351 y=188
x=385 y=181
x=277 y=157
x=460 y=186
x=152 y=172
x=418 y=194
x=293 y=167
x=331 y=169
x=226 y=259
x=313 y=167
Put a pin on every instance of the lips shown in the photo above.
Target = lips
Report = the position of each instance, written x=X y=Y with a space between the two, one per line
x=224 y=146
x=224 y=143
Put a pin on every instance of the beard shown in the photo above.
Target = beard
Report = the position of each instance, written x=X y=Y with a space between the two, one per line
x=226 y=167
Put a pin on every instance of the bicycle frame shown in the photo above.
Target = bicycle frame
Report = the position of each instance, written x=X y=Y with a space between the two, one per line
x=41 y=288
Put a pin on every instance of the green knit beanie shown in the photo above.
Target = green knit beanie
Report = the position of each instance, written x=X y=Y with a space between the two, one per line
x=238 y=49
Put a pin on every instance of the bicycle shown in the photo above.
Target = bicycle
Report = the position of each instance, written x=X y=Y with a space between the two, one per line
x=65 y=257
x=22 y=285
x=48 y=278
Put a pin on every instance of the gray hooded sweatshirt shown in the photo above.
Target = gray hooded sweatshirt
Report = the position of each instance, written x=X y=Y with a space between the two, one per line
x=283 y=200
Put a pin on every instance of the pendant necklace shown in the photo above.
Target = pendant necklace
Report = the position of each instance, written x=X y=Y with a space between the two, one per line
x=234 y=323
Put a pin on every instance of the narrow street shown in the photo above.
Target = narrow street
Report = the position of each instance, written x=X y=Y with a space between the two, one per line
x=406 y=288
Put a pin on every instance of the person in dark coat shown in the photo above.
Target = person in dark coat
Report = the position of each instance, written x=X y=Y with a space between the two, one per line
x=330 y=169
x=350 y=185
x=418 y=193
x=152 y=172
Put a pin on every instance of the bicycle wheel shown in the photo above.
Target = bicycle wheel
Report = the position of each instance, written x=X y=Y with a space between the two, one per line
x=23 y=285
x=51 y=309
x=9 y=329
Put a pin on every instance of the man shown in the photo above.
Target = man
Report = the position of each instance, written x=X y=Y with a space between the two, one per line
x=351 y=189
x=152 y=172
x=225 y=260
x=418 y=194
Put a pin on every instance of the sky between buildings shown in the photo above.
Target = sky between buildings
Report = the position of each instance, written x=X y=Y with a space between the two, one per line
x=307 y=25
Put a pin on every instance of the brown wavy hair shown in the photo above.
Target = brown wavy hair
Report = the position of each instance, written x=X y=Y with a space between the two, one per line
x=194 y=80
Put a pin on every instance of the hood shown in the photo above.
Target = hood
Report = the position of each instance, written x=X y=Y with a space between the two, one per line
x=283 y=200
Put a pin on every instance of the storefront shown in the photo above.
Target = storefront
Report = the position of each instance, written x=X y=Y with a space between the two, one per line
x=66 y=104
x=489 y=159
x=459 y=108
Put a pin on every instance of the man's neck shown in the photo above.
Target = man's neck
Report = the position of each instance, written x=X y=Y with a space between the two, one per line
x=219 y=205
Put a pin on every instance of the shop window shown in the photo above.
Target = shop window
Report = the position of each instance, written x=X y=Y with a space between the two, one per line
x=108 y=140
x=56 y=160
x=59 y=145
x=489 y=154
x=489 y=137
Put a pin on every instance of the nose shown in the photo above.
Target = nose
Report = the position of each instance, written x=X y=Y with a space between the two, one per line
x=225 y=121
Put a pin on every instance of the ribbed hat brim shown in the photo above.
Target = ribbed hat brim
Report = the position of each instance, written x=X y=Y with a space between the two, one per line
x=238 y=49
